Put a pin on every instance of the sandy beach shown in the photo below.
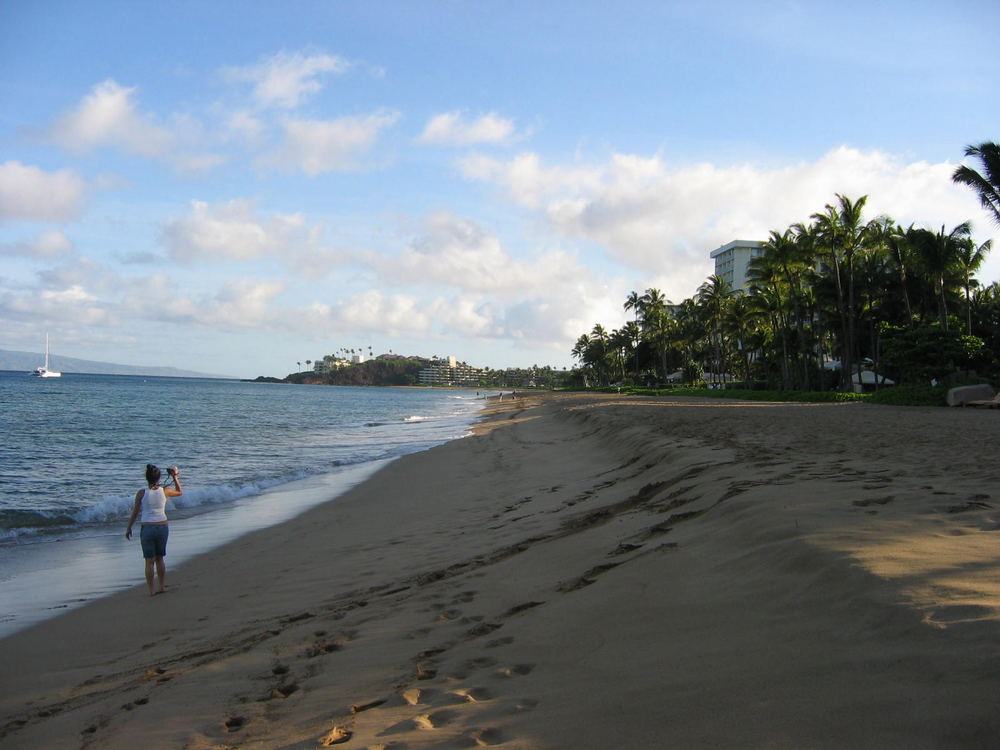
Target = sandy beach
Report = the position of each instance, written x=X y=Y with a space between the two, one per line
x=586 y=571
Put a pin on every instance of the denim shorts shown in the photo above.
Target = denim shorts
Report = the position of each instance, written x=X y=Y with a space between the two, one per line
x=153 y=538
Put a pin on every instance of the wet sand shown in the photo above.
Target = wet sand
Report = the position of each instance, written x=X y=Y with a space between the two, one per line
x=585 y=572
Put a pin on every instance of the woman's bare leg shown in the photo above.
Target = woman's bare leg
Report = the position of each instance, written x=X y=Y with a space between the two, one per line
x=161 y=574
x=149 y=575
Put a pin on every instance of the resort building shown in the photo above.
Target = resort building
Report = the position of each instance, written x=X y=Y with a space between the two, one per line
x=329 y=363
x=449 y=372
x=732 y=259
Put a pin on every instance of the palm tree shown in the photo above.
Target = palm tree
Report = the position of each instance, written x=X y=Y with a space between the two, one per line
x=634 y=302
x=901 y=253
x=877 y=289
x=770 y=298
x=714 y=297
x=938 y=253
x=986 y=184
x=986 y=315
x=739 y=319
x=970 y=258
x=619 y=342
x=599 y=342
x=787 y=251
x=841 y=233
x=791 y=252
x=690 y=331
x=585 y=351
x=657 y=325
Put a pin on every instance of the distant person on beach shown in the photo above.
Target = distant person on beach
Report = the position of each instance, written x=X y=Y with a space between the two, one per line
x=151 y=503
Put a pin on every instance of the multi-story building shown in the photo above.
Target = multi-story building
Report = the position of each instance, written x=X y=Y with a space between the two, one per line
x=329 y=363
x=732 y=259
x=449 y=372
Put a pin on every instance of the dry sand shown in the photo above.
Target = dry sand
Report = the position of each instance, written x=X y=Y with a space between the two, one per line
x=585 y=572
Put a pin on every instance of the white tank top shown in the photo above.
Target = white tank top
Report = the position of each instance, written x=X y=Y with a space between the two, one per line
x=154 y=504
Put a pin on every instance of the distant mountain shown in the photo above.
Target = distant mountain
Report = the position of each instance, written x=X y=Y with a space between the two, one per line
x=28 y=361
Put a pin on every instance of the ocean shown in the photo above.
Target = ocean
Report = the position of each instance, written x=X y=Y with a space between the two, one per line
x=73 y=452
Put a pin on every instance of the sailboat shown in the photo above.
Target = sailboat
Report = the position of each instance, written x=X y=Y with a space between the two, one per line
x=44 y=371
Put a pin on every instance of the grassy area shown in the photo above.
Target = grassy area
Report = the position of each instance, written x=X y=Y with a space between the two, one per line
x=912 y=395
x=917 y=395
x=747 y=395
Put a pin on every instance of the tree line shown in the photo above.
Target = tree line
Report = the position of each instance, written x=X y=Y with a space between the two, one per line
x=872 y=294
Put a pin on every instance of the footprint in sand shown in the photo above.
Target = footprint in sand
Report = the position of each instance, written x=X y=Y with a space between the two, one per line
x=524 y=705
x=874 y=501
x=480 y=662
x=517 y=670
x=483 y=628
x=524 y=606
x=135 y=704
x=235 y=723
x=448 y=615
x=423 y=673
x=435 y=720
x=482 y=738
x=280 y=692
x=416 y=696
x=473 y=695
x=336 y=736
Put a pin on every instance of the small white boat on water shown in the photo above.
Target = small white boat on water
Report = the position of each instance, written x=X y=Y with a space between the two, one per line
x=44 y=371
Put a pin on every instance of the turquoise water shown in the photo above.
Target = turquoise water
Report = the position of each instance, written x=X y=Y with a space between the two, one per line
x=73 y=452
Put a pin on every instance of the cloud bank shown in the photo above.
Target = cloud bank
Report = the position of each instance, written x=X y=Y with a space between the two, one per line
x=27 y=192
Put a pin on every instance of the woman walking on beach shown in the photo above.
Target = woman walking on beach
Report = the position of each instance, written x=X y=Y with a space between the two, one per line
x=151 y=503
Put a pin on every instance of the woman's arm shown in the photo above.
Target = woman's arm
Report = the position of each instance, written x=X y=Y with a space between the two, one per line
x=136 y=507
x=176 y=490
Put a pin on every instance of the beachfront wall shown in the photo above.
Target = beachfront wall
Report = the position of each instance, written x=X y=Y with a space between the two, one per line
x=732 y=259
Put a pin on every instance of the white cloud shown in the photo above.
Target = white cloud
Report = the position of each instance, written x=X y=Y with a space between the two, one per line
x=319 y=146
x=244 y=303
x=229 y=230
x=527 y=181
x=245 y=127
x=374 y=311
x=452 y=129
x=234 y=230
x=285 y=79
x=664 y=221
x=27 y=192
x=72 y=306
x=50 y=244
x=455 y=252
x=107 y=117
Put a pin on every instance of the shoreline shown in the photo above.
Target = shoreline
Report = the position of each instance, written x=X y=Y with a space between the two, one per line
x=40 y=589
x=275 y=464
x=583 y=571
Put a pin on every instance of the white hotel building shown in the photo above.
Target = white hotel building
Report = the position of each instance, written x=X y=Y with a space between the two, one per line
x=449 y=372
x=732 y=259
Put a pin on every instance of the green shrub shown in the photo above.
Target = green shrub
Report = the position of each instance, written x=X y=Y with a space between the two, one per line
x=745 y=395
x=911 y=395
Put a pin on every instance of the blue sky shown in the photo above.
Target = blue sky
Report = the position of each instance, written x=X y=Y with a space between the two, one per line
x=235 y=187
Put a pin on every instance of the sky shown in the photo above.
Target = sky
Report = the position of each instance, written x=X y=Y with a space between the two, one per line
x=237 y=187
